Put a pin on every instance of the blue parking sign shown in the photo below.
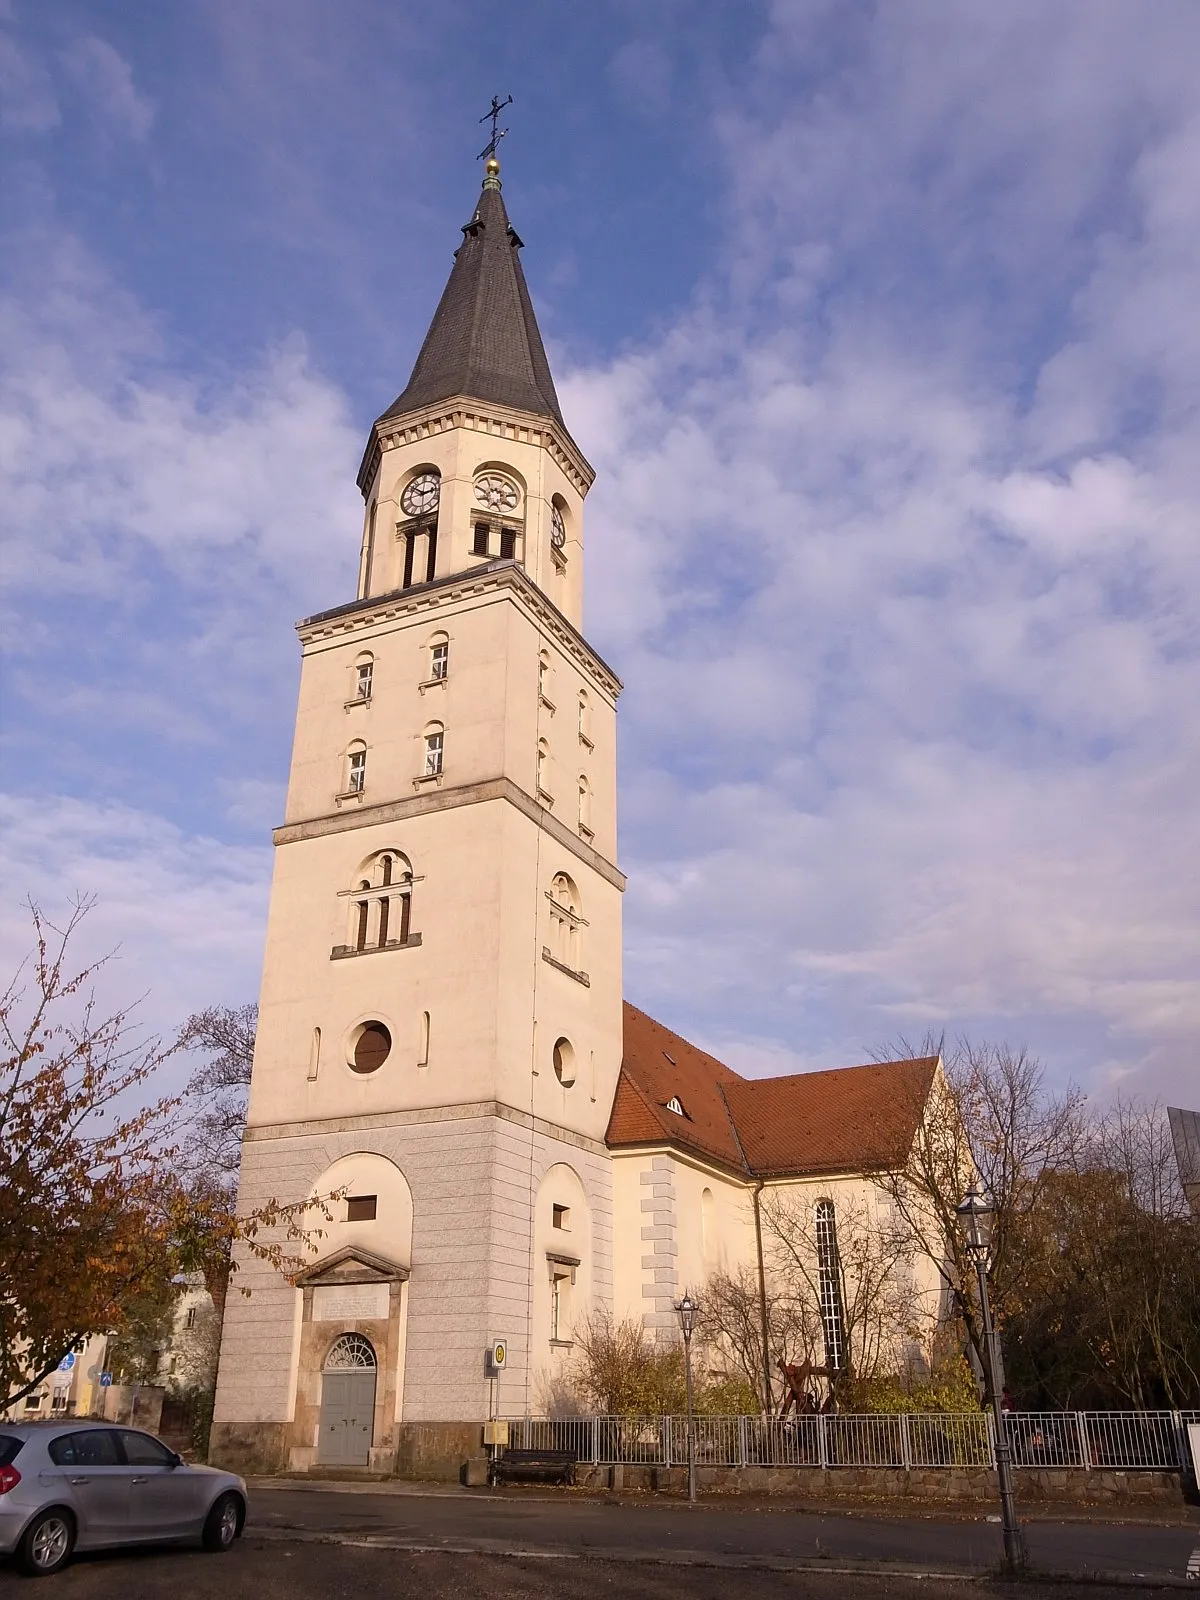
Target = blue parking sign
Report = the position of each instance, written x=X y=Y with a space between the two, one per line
x=105 y=1379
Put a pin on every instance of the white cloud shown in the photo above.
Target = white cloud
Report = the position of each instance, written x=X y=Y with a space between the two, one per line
x=184 y=913
x=104 y=78
x=27 y=100
x=903 y=583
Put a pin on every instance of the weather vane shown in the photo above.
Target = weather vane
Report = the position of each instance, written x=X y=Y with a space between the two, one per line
x=493 y=116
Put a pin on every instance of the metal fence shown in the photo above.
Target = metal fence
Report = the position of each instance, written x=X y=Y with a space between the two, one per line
x=1084 y=1440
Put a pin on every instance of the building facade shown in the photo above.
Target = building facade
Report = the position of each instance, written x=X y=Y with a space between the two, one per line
x=441 y=1026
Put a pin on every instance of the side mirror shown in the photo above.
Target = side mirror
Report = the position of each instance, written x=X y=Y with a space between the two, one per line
x=176 y=1459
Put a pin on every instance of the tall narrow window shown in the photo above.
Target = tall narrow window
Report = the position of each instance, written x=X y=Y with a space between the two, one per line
x=410 y=546
x=585 y=806
x=369 y=552
x=314 y=1054
x=560 y=1288
x=585 y=726
x=431 y=557
x=480 y=546
x=543 y=762
x=439 y=659
x=423 y=1042
x=363 y=678
x=383 y=922
x=543 y=673
x=364 y=920
x=433 y=752
x=385 y=869
x=405 y=915
x=829 y=1278
x=508 y=544
x=356 y=774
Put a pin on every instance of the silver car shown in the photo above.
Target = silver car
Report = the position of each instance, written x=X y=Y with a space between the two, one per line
x=75 y=1485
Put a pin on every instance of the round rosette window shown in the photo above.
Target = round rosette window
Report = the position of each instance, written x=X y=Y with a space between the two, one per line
x=564 y=1062
x=370 y=1046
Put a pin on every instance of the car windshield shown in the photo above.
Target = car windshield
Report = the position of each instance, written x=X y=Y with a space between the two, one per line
x=9 y=1446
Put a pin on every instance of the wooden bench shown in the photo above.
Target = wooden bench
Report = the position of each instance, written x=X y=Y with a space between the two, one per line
x=534 y=1466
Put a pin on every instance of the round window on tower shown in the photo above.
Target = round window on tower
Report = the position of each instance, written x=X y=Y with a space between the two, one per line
x=370 y=1046
x=497 y=493
x=564 y=1062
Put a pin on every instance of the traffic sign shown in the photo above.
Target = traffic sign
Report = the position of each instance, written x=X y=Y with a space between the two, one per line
x=498 y=1354
x=67 y=1362
x=105 y=1379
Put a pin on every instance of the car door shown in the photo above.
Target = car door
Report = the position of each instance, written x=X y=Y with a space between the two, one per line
x=164 y=1498
x=87 y=1469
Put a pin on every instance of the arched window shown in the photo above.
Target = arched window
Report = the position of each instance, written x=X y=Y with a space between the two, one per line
x=543 y=765
x=356 y=768
x=829 y=1280
x=380 y=905
x=351 y=1353
x=498 y=513
x=544 y=678
x=585 y=806
x=566 y=922
x=585 y=719
x=423 y=1042
x=708 y=1227
x=314 y=1054
x=439 y=658
x=434 y=739
x=364 y=677
x=419 y=501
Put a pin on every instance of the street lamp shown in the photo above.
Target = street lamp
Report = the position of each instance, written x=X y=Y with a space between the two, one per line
x=975 y=1221
x=687 y=1309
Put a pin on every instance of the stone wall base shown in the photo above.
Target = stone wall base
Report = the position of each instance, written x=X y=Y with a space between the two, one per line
x=968 y=1485
x=255 y=1449
x=436 y=1451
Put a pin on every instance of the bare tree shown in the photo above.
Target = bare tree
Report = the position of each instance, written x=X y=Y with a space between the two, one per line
x=875 y=1281
x=219 y=1089
x=988 y=1119
x=730 y=1328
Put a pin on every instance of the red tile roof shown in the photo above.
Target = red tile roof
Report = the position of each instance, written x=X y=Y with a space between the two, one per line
x=851 y=1119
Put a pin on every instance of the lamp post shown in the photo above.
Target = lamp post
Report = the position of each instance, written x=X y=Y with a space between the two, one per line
x=975 y=1221
x=687 y=1321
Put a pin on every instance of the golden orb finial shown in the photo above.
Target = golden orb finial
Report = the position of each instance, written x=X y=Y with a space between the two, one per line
x=492 y=168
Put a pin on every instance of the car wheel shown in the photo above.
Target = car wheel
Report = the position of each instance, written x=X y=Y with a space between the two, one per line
x=223 y=1523
x=46 y=1544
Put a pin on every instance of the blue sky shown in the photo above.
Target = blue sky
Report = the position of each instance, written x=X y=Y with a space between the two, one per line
x=880 y=325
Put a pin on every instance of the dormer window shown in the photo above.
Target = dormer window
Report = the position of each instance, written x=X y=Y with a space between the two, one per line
x=675 y=1104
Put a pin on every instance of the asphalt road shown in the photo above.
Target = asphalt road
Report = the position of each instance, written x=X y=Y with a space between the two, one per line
x=274 y=1569
x=567 y=1525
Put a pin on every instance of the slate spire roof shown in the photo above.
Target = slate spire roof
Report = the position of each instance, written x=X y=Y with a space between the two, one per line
x=484 y=340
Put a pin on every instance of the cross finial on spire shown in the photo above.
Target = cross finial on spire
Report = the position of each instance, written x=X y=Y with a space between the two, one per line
x=493 y=116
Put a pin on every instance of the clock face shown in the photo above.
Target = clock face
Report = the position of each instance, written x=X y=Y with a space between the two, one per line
x=558 y=530
x=496 y=493
x=421 y=495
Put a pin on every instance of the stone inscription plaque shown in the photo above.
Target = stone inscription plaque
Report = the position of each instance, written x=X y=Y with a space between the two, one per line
x=349 y=1302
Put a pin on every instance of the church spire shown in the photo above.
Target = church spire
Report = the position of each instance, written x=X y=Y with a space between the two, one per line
x=484 y=340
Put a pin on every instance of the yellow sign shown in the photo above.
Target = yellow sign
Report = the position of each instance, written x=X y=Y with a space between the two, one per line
x=495 y=1433
x=499 y=1353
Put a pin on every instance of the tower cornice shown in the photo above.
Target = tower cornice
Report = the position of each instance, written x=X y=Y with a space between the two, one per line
x=494 y=578
x=475 y=416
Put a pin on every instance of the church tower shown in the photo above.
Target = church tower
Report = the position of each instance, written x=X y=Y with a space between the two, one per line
x=440 y=1020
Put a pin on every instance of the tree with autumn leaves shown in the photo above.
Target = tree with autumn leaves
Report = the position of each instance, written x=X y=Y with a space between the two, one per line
x=99 y=1209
